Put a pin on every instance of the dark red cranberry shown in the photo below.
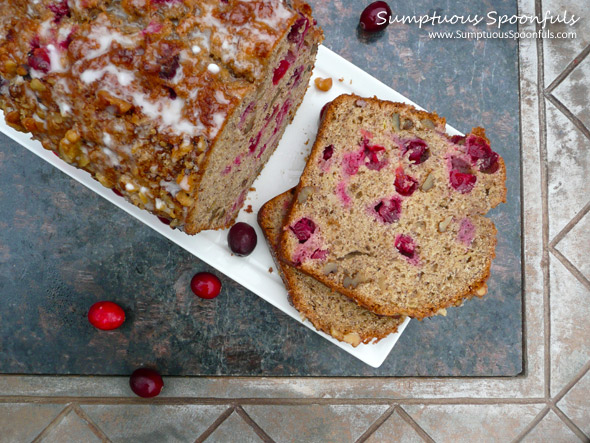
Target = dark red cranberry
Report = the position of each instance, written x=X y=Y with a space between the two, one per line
x=460 y=165
x=171 y=92
x=481 y=154
x=418 y=150
x=60 y=9
x=280 y=71
x=206 y=285
x=404 y=184
x=458 y=139
x=297 y=76
x=319 y=254
x=371 y=156
x=405 y=245
x=117 y=192
x=242 y=239
x=164 y=220
x=39 y=60
x=298 y=30
x=106 y=315
x=169 y=68
x=303 y=229
x=146 y=382
x=328 y=152
x=375 y=17
x=389 y=211
x=461 y=181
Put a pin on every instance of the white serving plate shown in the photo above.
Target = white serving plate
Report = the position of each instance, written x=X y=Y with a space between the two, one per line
x=280 y=174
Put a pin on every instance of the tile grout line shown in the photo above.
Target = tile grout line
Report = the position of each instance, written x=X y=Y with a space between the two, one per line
x=570 y=267
x=218 y=421
x=93 y=426
x=545 y=206
x=570 y=424
x=526 y=431
x=53 y=423
x=568 y=69
x=259 y=431
x=409 y=420
x=273 y=401
x=569 y=115
x=571 y=384
x=572 y=223
x=376 y=425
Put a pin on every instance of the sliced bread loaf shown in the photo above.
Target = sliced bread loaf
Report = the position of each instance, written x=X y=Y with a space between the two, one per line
x=389 y=208
x=329 y=311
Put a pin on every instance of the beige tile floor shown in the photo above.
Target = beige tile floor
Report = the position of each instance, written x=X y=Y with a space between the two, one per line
x=549 y=403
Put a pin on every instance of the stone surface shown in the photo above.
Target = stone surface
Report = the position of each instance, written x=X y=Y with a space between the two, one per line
x=552 y=429
x=574 y=91
x=314 y=423
x=481 y=423
x=395 y=430
x=559 y=52
x=153 y=423
x=569 y=186
x=576 y=404
x=234 y=428
x=570 y=329
x=22 y=422
x=66 y=248
x=70 y=429
x=576 y=244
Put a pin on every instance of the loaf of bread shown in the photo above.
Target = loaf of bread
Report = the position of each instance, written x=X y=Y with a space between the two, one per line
x=389 y=209
x=174 y=104
x=329 y=311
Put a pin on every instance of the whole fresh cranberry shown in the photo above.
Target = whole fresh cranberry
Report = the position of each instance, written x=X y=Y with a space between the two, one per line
x=404 y=184
x=106 y=315
x=242 y=239
x=375 y=17
x=405 y=245
x=206 y=285
x=146 y=382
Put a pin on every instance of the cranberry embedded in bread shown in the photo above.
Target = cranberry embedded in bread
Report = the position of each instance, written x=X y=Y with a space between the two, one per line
x=397 y=207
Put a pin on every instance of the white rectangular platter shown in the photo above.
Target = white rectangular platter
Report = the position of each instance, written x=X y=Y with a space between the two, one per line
x=280 y=174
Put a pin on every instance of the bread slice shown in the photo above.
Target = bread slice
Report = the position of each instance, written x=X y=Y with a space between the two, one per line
x=329 y=311
x=389 y=208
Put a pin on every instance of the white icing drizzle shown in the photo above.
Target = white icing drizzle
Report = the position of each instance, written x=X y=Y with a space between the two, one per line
x=129 y=187
x=184 y=184
x=107 y=139
x=114 y=158
x=124 y=77
x=159 y=204
x=196 y=49
x=213 y=68
x=220 y=97
x=105 y=38
x=169 y=112
x=171 y=187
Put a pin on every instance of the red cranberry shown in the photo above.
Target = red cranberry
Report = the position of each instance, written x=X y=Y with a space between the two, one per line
x=458 y=139
x=319 y=254
x=461 y=181
x=418 y=150
x=206 y=285
x=242 y=239
x=405 y=245
x=164 y=220
x=39 y=60
x=280 y=71
x=169 y=68
x=481 y=154
x=298 y=30
x=303 y=229
x=146 y=382
x=328 y=152
x=460 y=165
x=404 y=184
x=375 y=17
x=371 y=152
x=389 y=211
x=117 y=192
x=106 y=315
x=60 y=10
